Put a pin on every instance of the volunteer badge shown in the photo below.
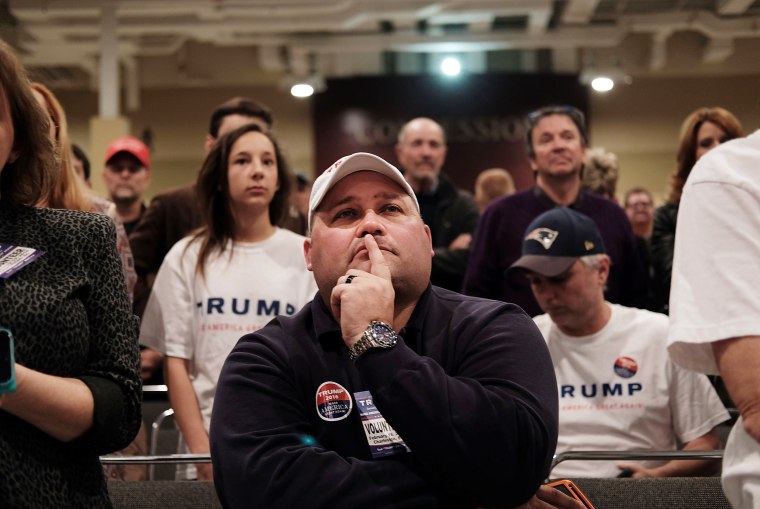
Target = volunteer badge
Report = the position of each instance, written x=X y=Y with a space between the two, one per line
x=381 y=437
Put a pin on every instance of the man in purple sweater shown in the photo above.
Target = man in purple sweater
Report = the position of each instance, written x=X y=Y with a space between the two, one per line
x=556 y=143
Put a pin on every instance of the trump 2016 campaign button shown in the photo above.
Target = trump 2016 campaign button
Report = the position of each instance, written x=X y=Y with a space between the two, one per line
x=626 y=367
x=333 y=401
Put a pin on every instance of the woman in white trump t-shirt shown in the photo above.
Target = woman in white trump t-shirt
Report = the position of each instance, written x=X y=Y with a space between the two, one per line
x=229 y=278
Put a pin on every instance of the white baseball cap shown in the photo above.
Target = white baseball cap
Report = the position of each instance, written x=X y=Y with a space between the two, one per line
x=360 y=161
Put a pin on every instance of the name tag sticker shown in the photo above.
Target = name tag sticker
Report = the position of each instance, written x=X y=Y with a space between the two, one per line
x=14 y=258
x=382 y=438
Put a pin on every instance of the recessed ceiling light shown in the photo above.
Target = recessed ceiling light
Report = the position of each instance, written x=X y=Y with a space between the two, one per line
x=301 y=90
x=602 y=84
x=451 y=66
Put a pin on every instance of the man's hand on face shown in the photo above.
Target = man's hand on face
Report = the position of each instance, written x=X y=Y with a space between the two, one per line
x=356 y=301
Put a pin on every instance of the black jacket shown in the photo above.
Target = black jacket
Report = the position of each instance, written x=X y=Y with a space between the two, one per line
x=662 y=245
x=470 y=388
x=455 y=213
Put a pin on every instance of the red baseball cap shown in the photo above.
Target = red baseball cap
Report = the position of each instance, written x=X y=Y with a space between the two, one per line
x=130 y=145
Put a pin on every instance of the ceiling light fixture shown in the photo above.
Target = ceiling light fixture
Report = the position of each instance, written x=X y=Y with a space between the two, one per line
x=602 y=84
x=301 y=90
x=302 y=77
x=603 y=81
x=303 y=87
x=451 y=66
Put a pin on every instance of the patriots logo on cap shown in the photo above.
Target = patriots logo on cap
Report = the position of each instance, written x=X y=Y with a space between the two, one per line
x=543 y=235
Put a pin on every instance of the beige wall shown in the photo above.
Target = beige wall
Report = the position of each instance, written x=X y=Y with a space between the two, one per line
x=639 y=122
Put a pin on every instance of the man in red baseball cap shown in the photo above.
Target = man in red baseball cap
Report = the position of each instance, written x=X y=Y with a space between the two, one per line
x=127 y=176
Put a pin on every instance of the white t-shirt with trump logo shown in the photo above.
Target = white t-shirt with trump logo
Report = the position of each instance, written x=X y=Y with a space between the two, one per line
x=619 y=391
x=201 y=318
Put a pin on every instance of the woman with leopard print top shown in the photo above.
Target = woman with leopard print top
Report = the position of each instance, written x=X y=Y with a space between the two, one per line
x=77 y=365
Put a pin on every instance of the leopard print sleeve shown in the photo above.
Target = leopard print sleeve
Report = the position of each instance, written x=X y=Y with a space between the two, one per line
x=70 y=316
x=112 y=371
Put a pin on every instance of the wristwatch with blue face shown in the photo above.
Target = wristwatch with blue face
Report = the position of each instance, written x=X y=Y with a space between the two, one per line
x=378 y=335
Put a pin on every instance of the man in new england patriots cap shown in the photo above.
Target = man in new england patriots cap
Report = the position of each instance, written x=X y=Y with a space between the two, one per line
x=556 y=239
x=619 y=390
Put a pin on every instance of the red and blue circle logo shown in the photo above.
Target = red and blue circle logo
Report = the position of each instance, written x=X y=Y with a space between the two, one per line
x=334 y=403
x=626 y=367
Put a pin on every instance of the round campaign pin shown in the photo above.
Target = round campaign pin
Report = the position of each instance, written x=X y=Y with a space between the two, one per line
x=626 y=367
x=334 y=402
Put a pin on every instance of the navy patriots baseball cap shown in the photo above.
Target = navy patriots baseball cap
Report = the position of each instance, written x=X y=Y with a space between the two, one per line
x=556 y=239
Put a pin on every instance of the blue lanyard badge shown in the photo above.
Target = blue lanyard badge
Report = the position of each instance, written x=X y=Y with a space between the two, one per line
x=383 y=439
x=14 y=258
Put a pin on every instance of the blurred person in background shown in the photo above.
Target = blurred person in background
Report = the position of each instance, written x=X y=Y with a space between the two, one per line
x=69 y=191
x=450 y=212
x=81 y=164
x=556 y=141
x=703 y=130
x=295 y=218
x=491 y=184
x=601 y=171
x=639 y=207
x=127 y=175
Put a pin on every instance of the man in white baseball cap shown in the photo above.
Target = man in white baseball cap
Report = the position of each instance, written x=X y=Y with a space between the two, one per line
x=345 y=166
x=384 y=390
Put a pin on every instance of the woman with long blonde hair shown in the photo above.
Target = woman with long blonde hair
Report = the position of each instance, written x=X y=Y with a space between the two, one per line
x=69 y=191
